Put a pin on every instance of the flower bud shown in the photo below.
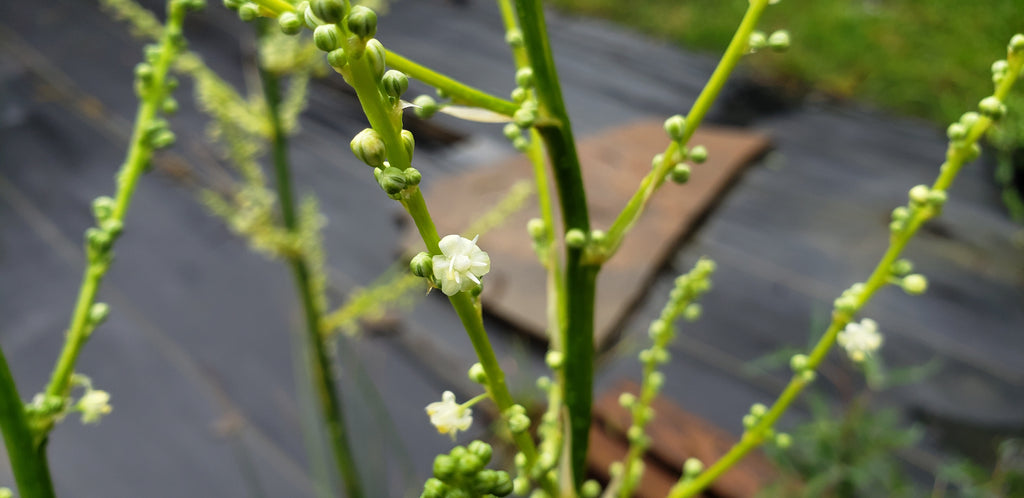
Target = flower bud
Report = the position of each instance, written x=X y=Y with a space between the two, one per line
x=481 y=449
x=327 y=37
x=680 y=173
x=779 y=41
x=657 y=379
x=919 y=194
x=369 y=147
x=524 y=77
x=992 y=108
x=98 y=313
x=554 y=359
x=394 y=83
x=233 y=4
x=444 y=467
x=969 y=118
x=1016 y=45
x=756 y=41
x=518 y=423
x=412 y=176
x=915 y=284
x=901 y=267
x=362 y=22
x=658 y=330
x=692 y=312
x=476 y=372
x=483 y=481
x=248 y=11
x=749 y=421
x=102 y=208
x=626 y=399
x=675 y=126
x=692 y=467
x=426 y=106
x=392 y=180
x=511 y=131
x=956 y=131
x=524 y=118
x=520 y=144
x=698 y=154
x=575 y=238
x=169 y=106
x=783 y=440
x=311 y=20
x=590 y=489
x=328 y=10
x=519 y=95
x=544 y=384
x=937 y=198
x=798 y=362
x=536 y=228
x=514 y=38
x=758 y=410
x=422 y=265
x=375 y=56
x=162 y=138
x=434 y=488
x=337 y=58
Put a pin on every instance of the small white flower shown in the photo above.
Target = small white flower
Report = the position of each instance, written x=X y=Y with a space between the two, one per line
x=93 y=405
x=860 y=340
x=448 y=416
x=460 y=264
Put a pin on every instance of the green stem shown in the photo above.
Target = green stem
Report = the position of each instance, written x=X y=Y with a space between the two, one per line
x=326 y=388
x=460 y=92
x=649 y=185
x=580 y=279
x=28 y=461
x=140 y=153
x=956 y=156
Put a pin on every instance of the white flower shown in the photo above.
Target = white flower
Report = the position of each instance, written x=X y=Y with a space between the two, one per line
x=860 y=340
x=448 y=416
x=460 y=264
x=93 y=405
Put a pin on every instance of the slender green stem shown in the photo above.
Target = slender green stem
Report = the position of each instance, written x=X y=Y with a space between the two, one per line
x=28 y=460
x=649 y=185
x=139 y=154
x=460 y=92
x=956 y=157
x=580 y=279
x=326 y=389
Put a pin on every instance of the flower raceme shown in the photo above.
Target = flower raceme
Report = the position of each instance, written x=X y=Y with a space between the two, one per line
x=460 y=264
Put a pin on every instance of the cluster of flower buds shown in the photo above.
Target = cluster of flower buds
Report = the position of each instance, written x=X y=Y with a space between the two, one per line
x=675 y=127
x=754 y=416
x=462 y=473
x=100 y=239
x=778 y=41
x=924 y=203
x=526 y=115
x=802 y=368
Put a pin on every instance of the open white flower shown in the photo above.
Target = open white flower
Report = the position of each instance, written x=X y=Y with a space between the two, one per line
x=460 y=264
x=860 y=340
x=448 y=416
x=93 y=405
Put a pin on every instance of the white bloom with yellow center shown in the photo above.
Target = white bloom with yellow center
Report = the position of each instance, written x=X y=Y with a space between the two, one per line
x=93 y=405
x=860 y=340
x=460 y=264
x=448 y=416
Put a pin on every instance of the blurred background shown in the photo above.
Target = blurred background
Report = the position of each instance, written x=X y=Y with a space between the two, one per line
x=203 y=352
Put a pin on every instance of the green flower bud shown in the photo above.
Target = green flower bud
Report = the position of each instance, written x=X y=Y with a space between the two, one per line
x=598 y=237
x=544 y=383
x=783 y=440
x=310 y=18
x=375 y=56
x=330 y=11
x=477 y=373
x=409 y=142
x=1016 y=45
x=434 y=488
x=518 y=423
x=554 y=359
x=481 y=450
x=362 y=22
x=327 y=37
x=422 y=265
x=749 y=421
x=798 y=362
x=757 y=41
x=992 y=108
x=901 y=267
x=779 y=41
x=337 y=58
x=520 y=461
x=675 y=126
x=426 y=106
x=692 y=312
x=536 y=228
x=524 y=77
x=590 y=489
x=519 y=95
x=524 y=118
x=395 y=83
x=369 y=147
x=98 y=313
x=808 y=376
x=162 y=138
x=412 y=176
x=483 y=481
x=169 y=106
x=969 y=118
x=635 y=434
x=658 y=330
x=392 y=180
x=512 y=131
x=444 y=467
x=657 y=160
x=514 y=38
x=937 y=198
x=914 y=285
x=469 y=464
x=248 y=11
x=919 y=194
x=698 y=154
x=233 y=4
x=657 y=379
x=502 y=484
x=972 y=153
x=520 y=144
x=999 y=67
x=289 y=23
x=956 y=132
x=680 y=173
x=692 y=467
x=102 y=208
x=575 y=238
x=758 y=410
x=627 y=399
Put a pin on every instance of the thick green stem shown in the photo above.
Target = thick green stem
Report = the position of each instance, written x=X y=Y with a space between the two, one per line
x=459 y=92
x=326 y=389
x=28 y=460
x=580 y=279
x=649 y=185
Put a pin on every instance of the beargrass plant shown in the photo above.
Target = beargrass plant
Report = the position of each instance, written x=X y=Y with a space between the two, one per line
x=548 y=462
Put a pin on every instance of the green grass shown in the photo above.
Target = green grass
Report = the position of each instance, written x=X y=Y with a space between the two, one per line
x=924 y=58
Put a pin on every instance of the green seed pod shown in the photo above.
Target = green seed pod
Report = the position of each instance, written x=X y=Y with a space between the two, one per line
x=575 y=238
x=422 y=265
x=248 y=11
x=502 y=484
x=477 y=373
x=392 y=180
x=375 y=56
x=519 y=94
x=369 y=147
x=699 y=154
x=524 y=118
x=289 y=23
x=98 y=313
x=412 y=176
x=692 y=467
x=779 y=41
x=1016 y=45
x=481 y=450
x=514 y=38
x=362 y=22
x=426 y=106
x=680 y=173
x=915 y=284
x=524 y=77
x=327 y=37
x=512 y=131
x=444 y=467
x=675 y=126
x=409 y=141
x=956 y=132
x=992 y=108
x=394 y=83
x=329 y=10
x=337 y=58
